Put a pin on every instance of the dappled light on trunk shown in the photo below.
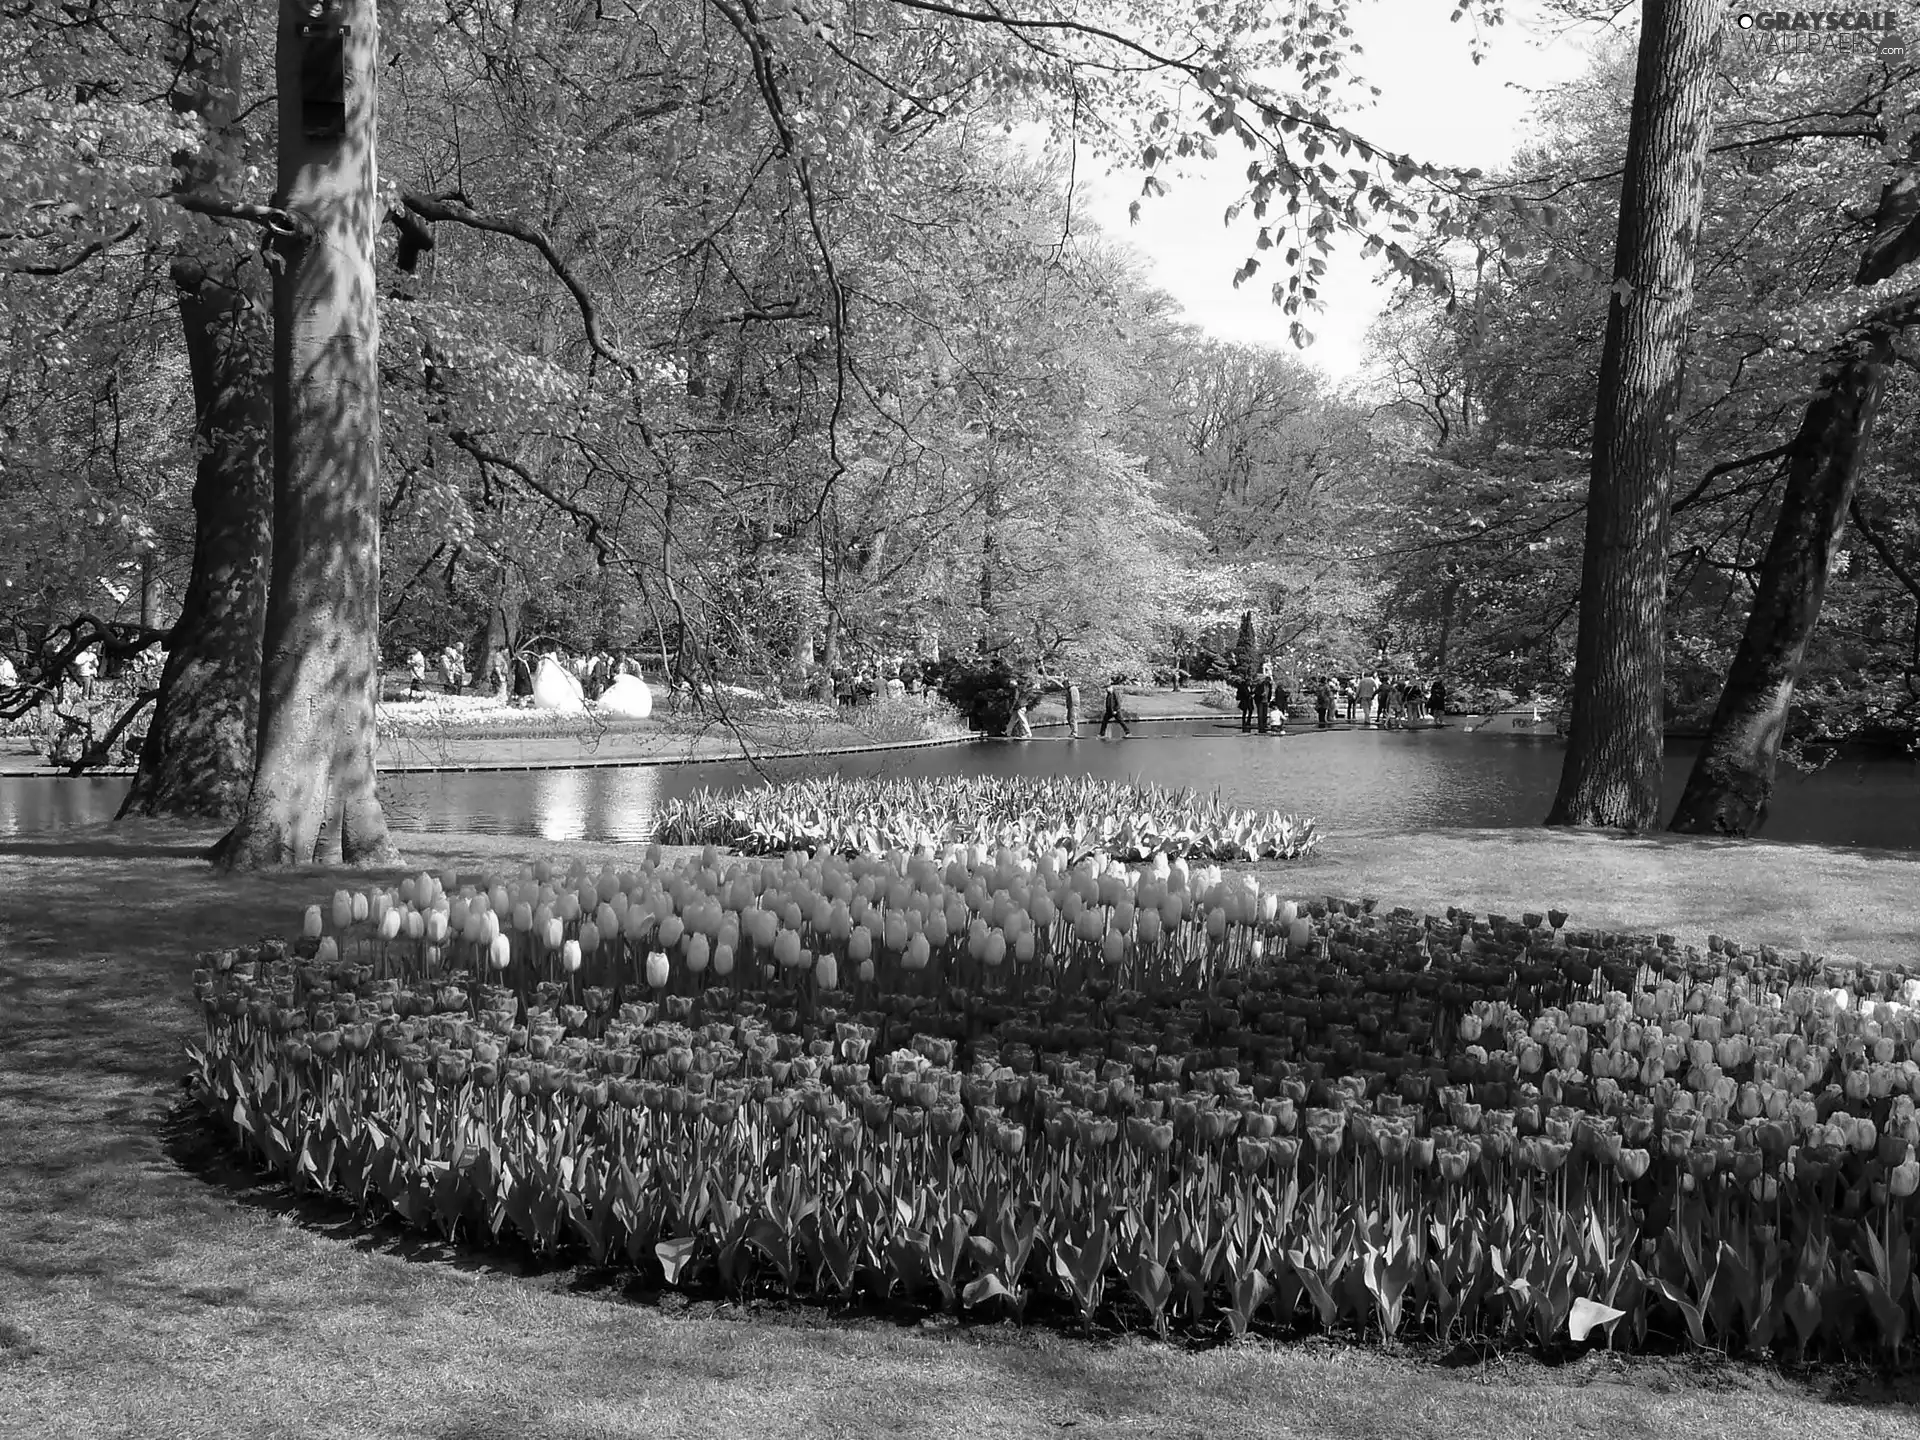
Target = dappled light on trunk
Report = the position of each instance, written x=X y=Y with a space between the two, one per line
x=313 y=796
x=198 y=756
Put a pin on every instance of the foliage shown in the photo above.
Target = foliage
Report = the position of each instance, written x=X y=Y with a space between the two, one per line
x=1172 y=1100
x=1481 y=530
x=1082 y=815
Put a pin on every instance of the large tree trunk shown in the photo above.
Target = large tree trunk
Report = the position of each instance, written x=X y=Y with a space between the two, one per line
x=313 y=796
x=198 y=755
x=1615 y=738
x=1732 y=779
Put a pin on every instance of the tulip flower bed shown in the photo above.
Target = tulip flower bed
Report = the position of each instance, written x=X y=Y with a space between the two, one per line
x=1082 y=815
x=1150 y=1096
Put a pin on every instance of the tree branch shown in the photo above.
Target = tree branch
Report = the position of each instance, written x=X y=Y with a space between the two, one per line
x=283 y=224
x=1726 y=467
x=79 y=258
x=1879 y=546
x=457 y=212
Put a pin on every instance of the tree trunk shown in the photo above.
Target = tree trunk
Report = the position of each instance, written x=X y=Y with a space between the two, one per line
x=1449 y=598
x=1615 y=739
x=198 y=755
x=313 y=796
x=1732 y=779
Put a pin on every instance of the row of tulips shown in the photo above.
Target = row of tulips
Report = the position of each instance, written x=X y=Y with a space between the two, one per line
x=1128 y=820
x=1273 y=1112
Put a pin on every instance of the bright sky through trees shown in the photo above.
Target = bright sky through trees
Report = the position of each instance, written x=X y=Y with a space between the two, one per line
x=1434 y=102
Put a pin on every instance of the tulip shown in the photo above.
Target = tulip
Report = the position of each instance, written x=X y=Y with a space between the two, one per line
x=657 y=969
x=698 y=953
x=328 y=951
x=311 y=924
x=569 y=955
x=556 y=932
x=437 y=927
x=723 y=959
x=826 y=971
x=342 y=909
x=502 y=952
x=391 y=924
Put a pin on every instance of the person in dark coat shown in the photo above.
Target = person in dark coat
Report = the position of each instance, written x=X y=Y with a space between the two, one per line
x=1263 y=697
x=1437 y=701
x=1243 y=693
x=1111 y=713
x=1323 y=700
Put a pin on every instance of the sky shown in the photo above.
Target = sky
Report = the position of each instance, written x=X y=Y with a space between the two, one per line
x=1435 y=105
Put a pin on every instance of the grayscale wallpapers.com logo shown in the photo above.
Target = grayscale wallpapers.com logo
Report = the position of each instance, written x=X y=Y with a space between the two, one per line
x=1805 y=29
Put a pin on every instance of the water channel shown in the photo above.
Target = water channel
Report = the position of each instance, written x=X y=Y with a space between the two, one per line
x=1352 y=780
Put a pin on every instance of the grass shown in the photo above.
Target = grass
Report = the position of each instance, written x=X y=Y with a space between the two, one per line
x=147 y=1288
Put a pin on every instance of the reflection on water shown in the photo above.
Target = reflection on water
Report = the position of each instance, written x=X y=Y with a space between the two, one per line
x=33 y=807
x=1350 y=780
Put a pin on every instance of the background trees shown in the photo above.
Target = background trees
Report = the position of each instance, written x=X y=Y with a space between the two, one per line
x=763 y=341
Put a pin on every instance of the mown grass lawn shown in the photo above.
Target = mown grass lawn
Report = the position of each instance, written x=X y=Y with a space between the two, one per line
x=149 y=1289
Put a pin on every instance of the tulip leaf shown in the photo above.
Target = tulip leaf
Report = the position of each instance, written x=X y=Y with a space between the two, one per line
x=983 y=1289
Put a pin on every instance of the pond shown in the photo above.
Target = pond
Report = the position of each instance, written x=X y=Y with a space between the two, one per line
x=1350 y=779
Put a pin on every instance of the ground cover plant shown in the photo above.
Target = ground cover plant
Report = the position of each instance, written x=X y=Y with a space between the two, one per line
x=1156 y=1096
x=1081 y=814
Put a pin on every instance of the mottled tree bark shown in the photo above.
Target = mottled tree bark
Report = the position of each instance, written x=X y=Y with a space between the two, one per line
x=313 y=798
x=1732 y=779
x=1615 y=738
x=198 y=757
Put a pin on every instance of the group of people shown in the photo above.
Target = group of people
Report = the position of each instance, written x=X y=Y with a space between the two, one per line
x=1259 y=697
x=510 y=673
x=452 y=665
x=1377 y=699
x=890 y=677
x=1112 y=711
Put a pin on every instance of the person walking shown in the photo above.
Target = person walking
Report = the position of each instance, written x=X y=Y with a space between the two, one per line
x=1437 y=701
x=1367 y=692
x=1243 y=696
x=1073 y=709
x=1348 y=698
x=1111 y=714
x=1323 y=700
x=416 y=671
x=1263 y=695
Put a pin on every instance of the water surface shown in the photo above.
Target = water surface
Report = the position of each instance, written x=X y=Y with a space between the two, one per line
x=1350 y=779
